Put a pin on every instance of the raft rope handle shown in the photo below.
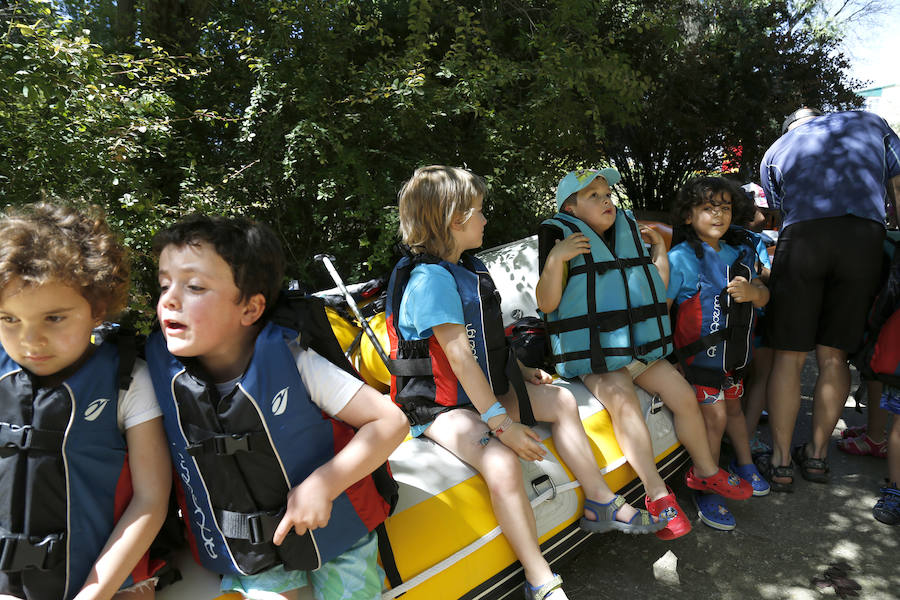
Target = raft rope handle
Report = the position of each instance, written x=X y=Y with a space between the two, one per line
x=461 y=554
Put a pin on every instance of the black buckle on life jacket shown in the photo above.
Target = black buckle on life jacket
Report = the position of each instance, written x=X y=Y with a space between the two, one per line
x=14 y=438
x=18 y=552
x=229 y=444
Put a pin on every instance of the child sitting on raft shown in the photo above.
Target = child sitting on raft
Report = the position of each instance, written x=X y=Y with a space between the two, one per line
x=714 y=283
x=613 y=335
x=442 y=307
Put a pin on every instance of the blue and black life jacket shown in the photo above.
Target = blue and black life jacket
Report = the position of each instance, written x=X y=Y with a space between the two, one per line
x=713 y=333
x=613 y=308
x=64 y=476
x=237 y=457
x=422 y=383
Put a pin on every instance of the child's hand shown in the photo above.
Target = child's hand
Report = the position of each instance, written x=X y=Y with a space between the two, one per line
x=535 y=375
x=308 y=507
x=567 y=249
x=741 y=290
x=524 y=441
x=651 y=236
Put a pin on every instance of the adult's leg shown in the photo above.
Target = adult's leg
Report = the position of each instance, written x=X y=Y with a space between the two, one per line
x=677 y=394
x=460 y=431
x=617 y=394
x=832 y=390
x=784 y=404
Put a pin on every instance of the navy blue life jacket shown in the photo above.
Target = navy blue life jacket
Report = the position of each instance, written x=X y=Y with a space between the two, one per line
x=64 y=476
x=613 y=308
x=713 y=333
x=238 y=456
x=422 y=382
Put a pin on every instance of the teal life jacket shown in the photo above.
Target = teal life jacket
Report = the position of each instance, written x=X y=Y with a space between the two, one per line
x=613 y=308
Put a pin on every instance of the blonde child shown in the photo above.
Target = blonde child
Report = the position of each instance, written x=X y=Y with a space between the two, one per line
x=281 y=441
x=84 y=472
x=602 y=295
x=714 y=283
x=442 y=308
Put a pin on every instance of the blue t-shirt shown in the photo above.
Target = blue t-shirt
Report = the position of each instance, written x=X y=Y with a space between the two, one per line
x=431 y=298
x=684 y=267
x=834 y=165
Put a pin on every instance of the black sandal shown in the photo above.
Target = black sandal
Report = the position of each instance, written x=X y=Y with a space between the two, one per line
x=764 y=465
x=812 y=469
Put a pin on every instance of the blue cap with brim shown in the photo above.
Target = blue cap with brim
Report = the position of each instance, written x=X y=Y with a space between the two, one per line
x=577 y=180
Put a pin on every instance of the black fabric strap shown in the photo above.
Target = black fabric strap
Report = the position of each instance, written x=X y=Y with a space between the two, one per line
x=15 y=438
x=707 y=341
x=257 y=528
x=602 y=267
x=19 y=552
x=605 y=321
x=514 y=375
x=410 y=367
x=386 y=554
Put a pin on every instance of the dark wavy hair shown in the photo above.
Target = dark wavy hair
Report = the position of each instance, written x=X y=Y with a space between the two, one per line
x=250 y=248
x=700 y=190
x=50 y=242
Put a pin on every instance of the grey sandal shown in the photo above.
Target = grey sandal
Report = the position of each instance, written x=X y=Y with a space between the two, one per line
x=605 y=518
x=539 y=593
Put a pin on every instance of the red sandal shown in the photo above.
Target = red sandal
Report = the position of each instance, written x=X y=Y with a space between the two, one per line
x=723 y=483
x=667 y=507
x=863 y=445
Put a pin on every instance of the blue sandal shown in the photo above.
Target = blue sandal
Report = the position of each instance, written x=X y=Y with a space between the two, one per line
x=544 y=591
x=887 y=509
x=605 y=518
x=750 y=474
x=713 y=511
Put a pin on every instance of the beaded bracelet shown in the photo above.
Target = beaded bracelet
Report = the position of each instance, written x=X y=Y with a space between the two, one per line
x=506 y=424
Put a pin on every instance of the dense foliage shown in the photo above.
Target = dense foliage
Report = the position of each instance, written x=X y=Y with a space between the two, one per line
x=310 y=115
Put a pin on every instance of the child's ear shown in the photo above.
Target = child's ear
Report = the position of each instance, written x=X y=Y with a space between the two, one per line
x=254 y=308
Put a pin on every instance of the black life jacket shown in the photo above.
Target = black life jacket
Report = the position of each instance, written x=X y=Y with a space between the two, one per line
x=237 y=457
x=422 y=382
x=64 y=476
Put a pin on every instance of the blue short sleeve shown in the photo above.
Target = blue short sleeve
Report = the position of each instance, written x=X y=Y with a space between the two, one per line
x=431 y=298
x=683 y=268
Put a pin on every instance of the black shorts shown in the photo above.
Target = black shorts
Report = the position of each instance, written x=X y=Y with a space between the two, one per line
x=825 y=275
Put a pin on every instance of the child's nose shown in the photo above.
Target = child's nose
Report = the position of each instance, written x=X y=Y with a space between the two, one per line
x=33 y=337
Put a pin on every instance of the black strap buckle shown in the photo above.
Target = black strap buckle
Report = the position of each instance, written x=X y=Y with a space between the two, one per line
x=18 y=552
x=14 y=437
x=229 y=444
x=261 y=527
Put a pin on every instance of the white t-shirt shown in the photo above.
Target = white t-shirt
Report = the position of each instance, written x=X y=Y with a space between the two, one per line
x=138 y=403
x=330 y=387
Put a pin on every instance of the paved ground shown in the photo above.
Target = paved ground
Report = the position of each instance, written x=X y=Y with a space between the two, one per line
x=782 y=543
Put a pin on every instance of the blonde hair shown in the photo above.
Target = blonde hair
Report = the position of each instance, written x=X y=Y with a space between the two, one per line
x=43 y=243
x=429 y=203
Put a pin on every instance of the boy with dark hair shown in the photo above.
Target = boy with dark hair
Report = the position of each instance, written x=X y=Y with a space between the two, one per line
x=274 y=444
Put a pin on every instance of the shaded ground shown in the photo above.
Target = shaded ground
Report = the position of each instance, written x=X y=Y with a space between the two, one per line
x=782 y=543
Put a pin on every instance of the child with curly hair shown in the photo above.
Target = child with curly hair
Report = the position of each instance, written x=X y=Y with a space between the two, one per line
x=714 y=284
x=84 y=473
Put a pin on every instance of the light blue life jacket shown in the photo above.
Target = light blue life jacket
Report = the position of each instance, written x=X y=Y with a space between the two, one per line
x=613 y=308
x=713 y=333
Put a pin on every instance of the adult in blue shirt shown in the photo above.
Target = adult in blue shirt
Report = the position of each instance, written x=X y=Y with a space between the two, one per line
x=829 y=175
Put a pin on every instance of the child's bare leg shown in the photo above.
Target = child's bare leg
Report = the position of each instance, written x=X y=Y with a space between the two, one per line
x=714 y=416
x=736 y=427
x=557 y=406
x=894 y=451
x=677 y=394
x=755 y=394
x=876 y=417
x=617 y=394
x=460 y=431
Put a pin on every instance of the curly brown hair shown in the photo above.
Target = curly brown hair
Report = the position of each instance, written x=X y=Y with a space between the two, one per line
x=54 y=242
